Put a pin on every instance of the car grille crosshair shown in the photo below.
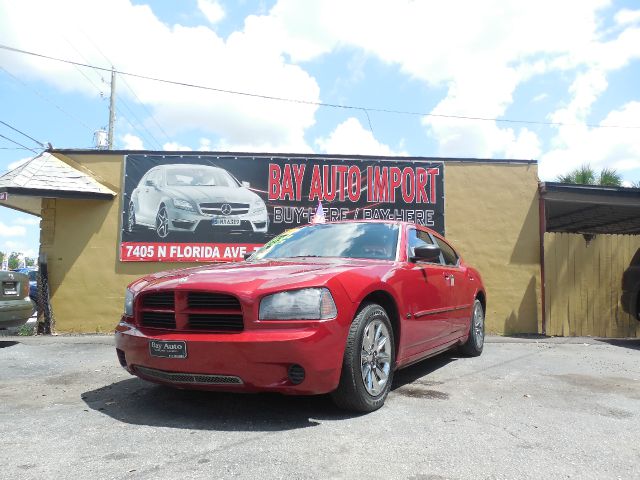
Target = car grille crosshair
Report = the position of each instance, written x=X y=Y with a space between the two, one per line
x=216 y=208
x=195 y=378
x=190 y=311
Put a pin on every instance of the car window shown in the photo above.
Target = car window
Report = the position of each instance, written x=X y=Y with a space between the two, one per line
x=200 y=177
x=417 y=238
x=33 y=276
x=346 y=240
x=449 y=254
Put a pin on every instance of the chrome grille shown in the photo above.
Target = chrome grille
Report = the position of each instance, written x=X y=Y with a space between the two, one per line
x=195 y=378
x=216 y=208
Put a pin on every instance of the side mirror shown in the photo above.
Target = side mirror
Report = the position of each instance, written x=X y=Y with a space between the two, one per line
x=150 y=183
x=246 y=184
x=247 y=255
x=426 y=253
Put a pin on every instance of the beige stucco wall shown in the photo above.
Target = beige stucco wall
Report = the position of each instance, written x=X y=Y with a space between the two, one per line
x=491 y=216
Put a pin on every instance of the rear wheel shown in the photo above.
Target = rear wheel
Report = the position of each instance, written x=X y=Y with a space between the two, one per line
x=475 y=343
x=367 y=367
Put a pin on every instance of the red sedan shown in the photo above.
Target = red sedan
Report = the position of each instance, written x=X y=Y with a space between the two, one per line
x=333 y=307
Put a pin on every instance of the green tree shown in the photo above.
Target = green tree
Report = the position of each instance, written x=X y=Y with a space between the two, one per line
x=14 y=260
x=2 y=255
x=29 y=262
x=586 y=175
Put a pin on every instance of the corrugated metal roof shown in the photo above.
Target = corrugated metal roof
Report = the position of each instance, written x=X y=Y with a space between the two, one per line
x=48 y=173
x=590 y=209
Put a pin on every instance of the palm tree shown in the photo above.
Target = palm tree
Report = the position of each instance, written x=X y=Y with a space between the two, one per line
x=586 y=175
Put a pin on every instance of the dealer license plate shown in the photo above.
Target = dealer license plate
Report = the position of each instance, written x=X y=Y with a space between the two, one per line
x=168 y=348
x=10 y=288
x=226 y=221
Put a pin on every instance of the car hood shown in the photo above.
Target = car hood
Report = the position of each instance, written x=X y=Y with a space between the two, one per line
x=212 y=194
x=251 y=279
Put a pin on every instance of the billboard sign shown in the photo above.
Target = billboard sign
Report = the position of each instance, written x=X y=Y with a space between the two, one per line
x=207 y=208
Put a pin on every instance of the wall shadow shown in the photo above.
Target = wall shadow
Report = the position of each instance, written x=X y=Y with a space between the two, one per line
x=8 y=343
x=630 y=284
x=525 y=321
x=633 y=344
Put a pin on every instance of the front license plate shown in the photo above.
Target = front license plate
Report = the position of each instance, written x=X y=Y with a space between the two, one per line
x=9 y=288
x=168 y=348
x=226 y=221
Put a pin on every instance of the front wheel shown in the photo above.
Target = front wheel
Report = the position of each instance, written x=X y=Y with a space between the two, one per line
x=162 y=222
x=474 y=344
x=367 y=367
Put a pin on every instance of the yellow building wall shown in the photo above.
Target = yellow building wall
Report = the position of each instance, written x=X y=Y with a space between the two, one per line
x=584 y=285
x=491 y=216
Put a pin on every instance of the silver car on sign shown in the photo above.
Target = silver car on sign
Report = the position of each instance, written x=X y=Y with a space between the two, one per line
x=177 y=198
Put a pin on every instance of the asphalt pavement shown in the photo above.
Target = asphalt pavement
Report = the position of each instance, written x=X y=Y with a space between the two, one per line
x=527 y=408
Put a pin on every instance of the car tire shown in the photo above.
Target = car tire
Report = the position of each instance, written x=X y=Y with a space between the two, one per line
x=362 y=386
x=131 y=218
x=475 y=342
x=162 y=222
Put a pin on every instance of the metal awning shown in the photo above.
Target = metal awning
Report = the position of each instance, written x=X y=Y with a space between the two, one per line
x=590 y=209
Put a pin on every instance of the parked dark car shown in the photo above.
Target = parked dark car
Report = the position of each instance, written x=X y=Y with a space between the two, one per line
x=33 y=282
x=15 y=305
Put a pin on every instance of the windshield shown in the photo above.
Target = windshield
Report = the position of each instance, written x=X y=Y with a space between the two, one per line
x=347 y=240
x=200 y=177
x=33 y=276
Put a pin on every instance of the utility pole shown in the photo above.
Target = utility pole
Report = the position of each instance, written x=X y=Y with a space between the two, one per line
x=112 y=109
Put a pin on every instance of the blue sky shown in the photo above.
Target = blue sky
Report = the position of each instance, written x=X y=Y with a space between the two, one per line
x=576 y=63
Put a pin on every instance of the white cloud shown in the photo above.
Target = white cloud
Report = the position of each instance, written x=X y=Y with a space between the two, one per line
x=10 y=246
x=540 y=97
x=175 y=147
x=600 y=147
x=249 y=60
x=626 y=16
x=12 y=230
x=350 y=137
x=212 y=10
x=132 y=142
x=17 y=163
x=27 y=220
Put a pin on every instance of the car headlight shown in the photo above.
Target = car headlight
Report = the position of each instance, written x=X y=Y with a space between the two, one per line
x=305 y=304
x=183 y=204
x=128 y=302
x=258 y=207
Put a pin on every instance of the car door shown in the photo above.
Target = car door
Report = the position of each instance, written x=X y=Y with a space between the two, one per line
x=455 y=274
x=428 y=297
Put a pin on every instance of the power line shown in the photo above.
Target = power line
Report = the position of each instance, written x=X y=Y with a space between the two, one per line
x=19 y=144
x=133 y=93
x=46 y=99
x=22 y=133
x=102 y=93
x=320 y=104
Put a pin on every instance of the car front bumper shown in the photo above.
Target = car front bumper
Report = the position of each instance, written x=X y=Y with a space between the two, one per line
x=184 y=220
x=14 y=313
x=252 y=360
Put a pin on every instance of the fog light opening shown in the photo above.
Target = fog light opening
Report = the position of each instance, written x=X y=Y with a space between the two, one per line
x=121 y=358
x=296 y=374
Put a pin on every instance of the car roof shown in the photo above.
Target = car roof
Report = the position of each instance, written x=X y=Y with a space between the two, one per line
x=183 y=165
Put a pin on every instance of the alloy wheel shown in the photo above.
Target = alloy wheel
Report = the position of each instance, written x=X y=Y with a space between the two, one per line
x=162 y=223
x=478 y=325
x=375 y=356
